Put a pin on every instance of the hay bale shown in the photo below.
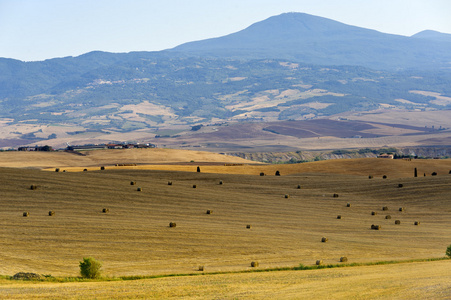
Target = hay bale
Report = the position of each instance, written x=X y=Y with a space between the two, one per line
x=105 y=210
x=201 y=268
x=387 y=217
x=169 y=182
x=57 y=169
x=299 y=186
x=376 y=227
x=51 y=213
x=33 y=187
x=85 y=170
x=139 y=189
x=26 y=214
x=262 y=174
x=384 y=177
x=348 y=204
x=209 y=212
x=132 y=182
x=248 y=226
x=416 y=223
x=287 y=196
x=401 y=209
x=254 y=264
x=339 y=217
x=434 y=174
x=400 y=185
x=194 y=186
x=102 y=168
x=319 y=262
x=343 y=259
x=335 y=196
x=277 y=173
x=220 y=182
x=324 y=240
x=385 y=208
x=397 y=222
x=370 y=177
x=172 y=224
x=373 y=213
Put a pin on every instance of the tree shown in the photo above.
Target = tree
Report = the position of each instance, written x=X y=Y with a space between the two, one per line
x=448 y=251
x=90 y=267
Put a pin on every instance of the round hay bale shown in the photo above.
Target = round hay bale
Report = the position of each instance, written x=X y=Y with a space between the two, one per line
x=169 y=182
x=373 y=213
x=397 y=222
x=370 y=177
x=26 y=214
x=387 y=217
x=139 y=189
x=287 y=196
x=385 y=208
x=51 y=213
x=400 y=185
x=401 y=209
x=324 y=239
x=201 y=268
x=416 y=223
x=339 y=217
x=319 y=262
x=220 y=182
x=105 y=210
x=384 y=177
x=209 y=212
x=102 y=168
x=376 y=227
x=254 y=264
x=172 y=224
x=343 y=259
x=33 y=187
x=248 y=226
x=57 y=169
x=348 y=205
x=194 y=186
x=85 y=170
x=299 y=186
x=262 y=174
x=335 y=196
x=277 y=173
x=132 y=182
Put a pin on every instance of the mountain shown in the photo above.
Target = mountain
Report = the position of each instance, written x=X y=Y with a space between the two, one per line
x=433 y=36
x=317 y=40
x=288 y=67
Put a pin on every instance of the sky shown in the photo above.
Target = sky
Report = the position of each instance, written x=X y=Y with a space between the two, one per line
x=32 y=30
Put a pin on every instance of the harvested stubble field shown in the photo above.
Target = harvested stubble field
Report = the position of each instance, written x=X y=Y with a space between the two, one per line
x=134 y=237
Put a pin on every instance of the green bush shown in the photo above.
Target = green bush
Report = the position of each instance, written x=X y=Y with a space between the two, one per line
x=90 y=267
x=448 y=251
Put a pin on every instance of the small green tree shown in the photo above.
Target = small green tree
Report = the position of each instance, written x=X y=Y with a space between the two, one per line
x=448 y=251
x=90 y=267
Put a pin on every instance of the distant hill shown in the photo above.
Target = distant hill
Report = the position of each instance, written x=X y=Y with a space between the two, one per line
x=289 y=67
x=433 y=36
x=317 y=40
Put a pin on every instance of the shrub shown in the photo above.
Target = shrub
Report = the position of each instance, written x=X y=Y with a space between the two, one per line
x=90 y=267
x=198 y=169
x=434 y=174
x=262 y=174
x=370 y=177
x=384 y=177
x=102 y=168
x=277 y=173
x=299 y=186
x=57 y=170
x=220 y=182
x=448 y=251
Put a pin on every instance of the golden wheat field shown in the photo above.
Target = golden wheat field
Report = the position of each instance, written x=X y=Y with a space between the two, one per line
x=287 y=224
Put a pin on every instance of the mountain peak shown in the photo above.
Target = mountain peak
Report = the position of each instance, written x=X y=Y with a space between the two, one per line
x=433 y=35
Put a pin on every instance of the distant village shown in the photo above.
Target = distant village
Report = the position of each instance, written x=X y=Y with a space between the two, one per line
x=89 y=147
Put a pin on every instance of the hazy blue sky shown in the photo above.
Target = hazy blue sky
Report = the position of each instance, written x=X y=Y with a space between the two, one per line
x=41 y=29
